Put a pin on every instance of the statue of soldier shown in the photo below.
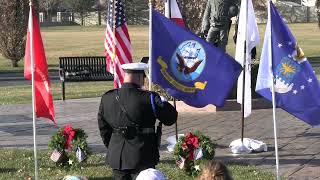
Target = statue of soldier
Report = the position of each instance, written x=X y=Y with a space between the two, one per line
x=217 y=20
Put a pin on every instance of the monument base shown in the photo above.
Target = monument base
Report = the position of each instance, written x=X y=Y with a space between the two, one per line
x=183 y=107
x=229 y=105
x=233 y=105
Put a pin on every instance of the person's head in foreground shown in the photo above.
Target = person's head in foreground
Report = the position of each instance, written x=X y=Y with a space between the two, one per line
x=151 y=174
x=135 y=73
x=215 y=170
x=74 y=178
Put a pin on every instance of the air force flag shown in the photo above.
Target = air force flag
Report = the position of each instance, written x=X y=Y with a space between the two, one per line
x=296 y=86
x=189 y=68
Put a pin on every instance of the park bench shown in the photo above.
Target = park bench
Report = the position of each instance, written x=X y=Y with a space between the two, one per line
x=314 y=60
x=315 y=63
x=76 y=69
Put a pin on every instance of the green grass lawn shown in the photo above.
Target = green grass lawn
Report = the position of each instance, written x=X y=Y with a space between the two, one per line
x=74 y=90
x=18 y=164
x=88 y=41
x=80 y=41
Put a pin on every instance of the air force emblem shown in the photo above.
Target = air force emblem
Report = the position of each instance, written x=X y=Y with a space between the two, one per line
x=287 y=69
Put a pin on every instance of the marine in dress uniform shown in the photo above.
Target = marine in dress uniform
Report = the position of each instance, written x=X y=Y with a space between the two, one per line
x=126 y=120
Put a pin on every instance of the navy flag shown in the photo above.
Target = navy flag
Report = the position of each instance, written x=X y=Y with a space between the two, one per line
x=188 y=67
x=296 y=86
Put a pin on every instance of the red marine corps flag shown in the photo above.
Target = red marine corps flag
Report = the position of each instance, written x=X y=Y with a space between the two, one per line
x=35 y=56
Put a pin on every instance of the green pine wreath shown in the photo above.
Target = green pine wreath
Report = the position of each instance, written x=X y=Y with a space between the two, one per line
x=59 y=143
x=185 y=148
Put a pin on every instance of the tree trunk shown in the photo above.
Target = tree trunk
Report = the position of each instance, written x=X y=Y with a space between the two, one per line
x=318 y=11
x=308 y=14
x=99 y=18
x=47 y=16
x=14 y=63
x=82 y=19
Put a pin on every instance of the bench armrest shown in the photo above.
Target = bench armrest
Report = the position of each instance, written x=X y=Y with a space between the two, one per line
x=62 y=74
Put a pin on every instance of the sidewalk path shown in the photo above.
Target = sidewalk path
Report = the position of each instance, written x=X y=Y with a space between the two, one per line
x=17 y=78
x=299 y=144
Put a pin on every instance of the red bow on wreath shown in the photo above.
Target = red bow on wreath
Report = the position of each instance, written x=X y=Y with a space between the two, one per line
x=191 y=142
x=69 y=133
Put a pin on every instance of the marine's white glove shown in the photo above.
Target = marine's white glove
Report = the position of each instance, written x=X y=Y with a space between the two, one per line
x=163 y=99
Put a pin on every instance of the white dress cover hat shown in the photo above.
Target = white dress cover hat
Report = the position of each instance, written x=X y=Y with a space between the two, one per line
x=151 y=174
x=134 y=67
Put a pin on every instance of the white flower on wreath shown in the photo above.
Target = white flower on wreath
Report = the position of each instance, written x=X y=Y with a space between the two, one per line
x=197 y=167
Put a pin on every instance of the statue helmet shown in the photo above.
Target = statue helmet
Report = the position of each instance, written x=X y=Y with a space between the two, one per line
x=233 y=11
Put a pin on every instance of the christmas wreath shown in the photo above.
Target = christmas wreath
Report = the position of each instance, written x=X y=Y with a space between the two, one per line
x=69 y=146
x=192 y=150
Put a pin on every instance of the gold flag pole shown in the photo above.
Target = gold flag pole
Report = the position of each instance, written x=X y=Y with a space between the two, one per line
x=150 y=44
x=114 y=37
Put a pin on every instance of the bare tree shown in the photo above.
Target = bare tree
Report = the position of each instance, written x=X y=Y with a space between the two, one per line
x=48 y=6
x=83 y=7
x=192 y=11
x=136 y=11
x=318 y=11
x=260 y=5
x=100 y=7
x=13 y=28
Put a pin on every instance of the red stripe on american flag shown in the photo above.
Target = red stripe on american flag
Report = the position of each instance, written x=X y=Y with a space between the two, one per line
x=119 y=57
x=118 y=75
x=109 y=45
x=125 y=30
x=110 y=42
x=124 y=44
x=126 y=55
x=118 y=49
x=119 y=71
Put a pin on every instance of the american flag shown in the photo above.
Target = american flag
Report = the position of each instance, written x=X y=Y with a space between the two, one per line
x=117 y=43
x=55 y=156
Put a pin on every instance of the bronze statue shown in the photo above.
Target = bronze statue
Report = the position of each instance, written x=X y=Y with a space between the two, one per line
x=217 y=21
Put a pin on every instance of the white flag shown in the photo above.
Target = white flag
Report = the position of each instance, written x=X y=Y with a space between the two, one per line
x=247 y=31
x=265 y=75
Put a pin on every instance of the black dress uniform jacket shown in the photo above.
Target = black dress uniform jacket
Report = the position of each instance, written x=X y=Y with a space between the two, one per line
x=140 y=150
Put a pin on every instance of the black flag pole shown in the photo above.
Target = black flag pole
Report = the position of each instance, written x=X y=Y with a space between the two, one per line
x=244 y=75
x=243 y=89
x=176 y=124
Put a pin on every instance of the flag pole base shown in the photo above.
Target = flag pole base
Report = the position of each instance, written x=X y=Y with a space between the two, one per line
x=247 y=146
